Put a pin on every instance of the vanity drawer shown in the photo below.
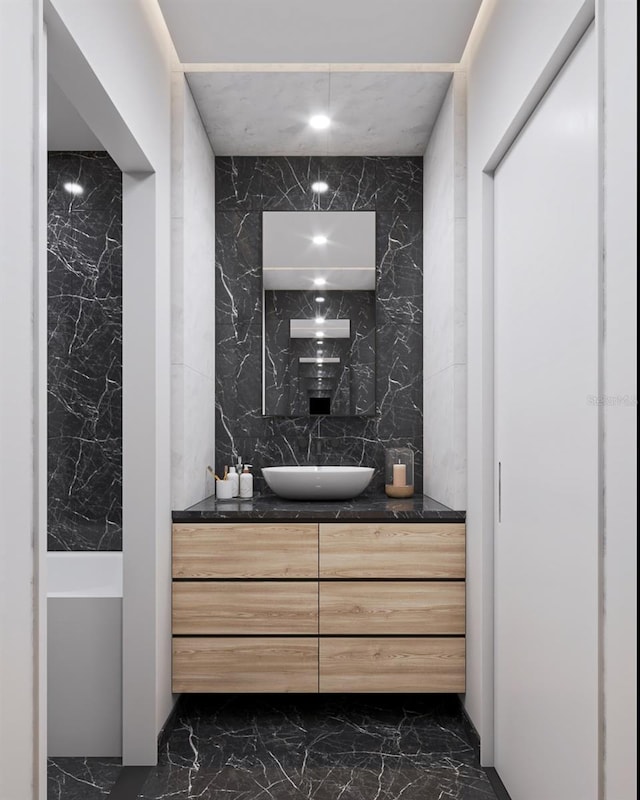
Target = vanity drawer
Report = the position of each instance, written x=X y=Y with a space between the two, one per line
x=238 y=607
x=244 y=550
x=392 y=550
x=392 y=665
x=238 y=664
x=392 y=607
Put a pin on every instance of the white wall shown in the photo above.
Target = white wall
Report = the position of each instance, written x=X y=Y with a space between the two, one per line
x=22 y=400
x=192 y=301
x=445 y=343
x=518 y=48
x=620 y=387
x=114 y=61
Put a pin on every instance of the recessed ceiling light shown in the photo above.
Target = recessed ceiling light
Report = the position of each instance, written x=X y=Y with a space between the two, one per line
x=319 y=340
x=319 y=334
x=319 y=299
x=319 y=239
x=319 y=281
x=319 y=187
x=73 y=188
x=319 y=320
x=319 y=121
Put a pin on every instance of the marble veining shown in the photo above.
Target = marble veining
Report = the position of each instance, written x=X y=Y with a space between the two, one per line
x=81 y=778
x=386 y=747
x=372 y=507
x=84 y=243
x=390 y=186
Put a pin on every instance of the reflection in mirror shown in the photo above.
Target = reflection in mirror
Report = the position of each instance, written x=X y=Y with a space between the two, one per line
x=319 y=314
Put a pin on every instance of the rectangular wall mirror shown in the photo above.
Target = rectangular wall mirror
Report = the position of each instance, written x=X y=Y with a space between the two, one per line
x=318 y=283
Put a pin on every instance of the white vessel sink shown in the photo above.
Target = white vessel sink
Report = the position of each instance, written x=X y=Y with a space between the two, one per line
x=317 y=483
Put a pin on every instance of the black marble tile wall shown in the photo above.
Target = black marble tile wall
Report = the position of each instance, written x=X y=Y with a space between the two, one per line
x=247 y=186
x=84 y=244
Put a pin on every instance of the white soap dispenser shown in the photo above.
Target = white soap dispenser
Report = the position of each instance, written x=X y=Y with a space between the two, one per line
x=235 y=481
x=246 y=482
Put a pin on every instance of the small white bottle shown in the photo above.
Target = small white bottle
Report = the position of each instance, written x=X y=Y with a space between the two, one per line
x=235 y=481
x=246 y=482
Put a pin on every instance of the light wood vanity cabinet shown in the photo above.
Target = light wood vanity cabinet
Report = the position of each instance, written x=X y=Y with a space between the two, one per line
x=334 y=607
x=244 y=550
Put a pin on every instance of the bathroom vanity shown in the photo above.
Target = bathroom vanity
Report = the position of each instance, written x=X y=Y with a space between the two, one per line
x=280 y=596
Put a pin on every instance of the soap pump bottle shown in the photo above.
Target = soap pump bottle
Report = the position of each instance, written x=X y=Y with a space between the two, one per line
x=235 y=481
x=246 y=482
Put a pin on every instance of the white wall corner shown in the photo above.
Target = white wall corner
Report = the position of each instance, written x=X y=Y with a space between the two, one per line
x=193 y=300
x=444 y=218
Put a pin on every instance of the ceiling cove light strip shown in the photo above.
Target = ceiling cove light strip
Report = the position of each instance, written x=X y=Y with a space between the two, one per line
x=301 y=67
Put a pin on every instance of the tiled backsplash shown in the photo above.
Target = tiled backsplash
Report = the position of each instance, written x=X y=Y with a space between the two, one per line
x=247 y=186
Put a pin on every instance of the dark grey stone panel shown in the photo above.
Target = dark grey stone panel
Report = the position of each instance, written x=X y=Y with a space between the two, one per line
x=392 y=187
x=238 y=267
x=399 y=184
x=352 y=183
x=84 y=414
x=238 y=183
x=399 y=279
x=286 y=183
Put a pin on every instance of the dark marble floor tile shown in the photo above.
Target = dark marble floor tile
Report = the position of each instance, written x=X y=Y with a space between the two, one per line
x=81 y=778
x=325 y=748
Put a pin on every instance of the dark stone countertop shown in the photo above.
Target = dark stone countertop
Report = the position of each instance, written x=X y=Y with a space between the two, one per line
x=269 y=508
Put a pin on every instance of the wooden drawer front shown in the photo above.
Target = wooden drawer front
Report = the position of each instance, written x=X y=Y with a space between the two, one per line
x=245 y=665
x=392 y=665
x=388 y=607
x=245 y=551
x=261 y=607
x=392 y=550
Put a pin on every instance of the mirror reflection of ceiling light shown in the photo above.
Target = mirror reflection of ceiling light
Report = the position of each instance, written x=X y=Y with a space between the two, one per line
x=319 y=121
x=319 y=320
x=73 y=188
x=319 y=334
x=319 y=342
x=319 y=239
x=318 y=361
x=319 y=187
x=319 y=299
x=319 y=281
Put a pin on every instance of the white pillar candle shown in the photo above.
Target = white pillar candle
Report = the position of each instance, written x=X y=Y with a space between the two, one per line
x=399 y=474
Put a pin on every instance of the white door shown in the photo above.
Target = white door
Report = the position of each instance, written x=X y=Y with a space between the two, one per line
x=546 y=362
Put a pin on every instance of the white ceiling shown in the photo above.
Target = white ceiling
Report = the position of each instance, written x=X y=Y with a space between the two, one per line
x=267 y=113
x=334 y=31
x=259 y=68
